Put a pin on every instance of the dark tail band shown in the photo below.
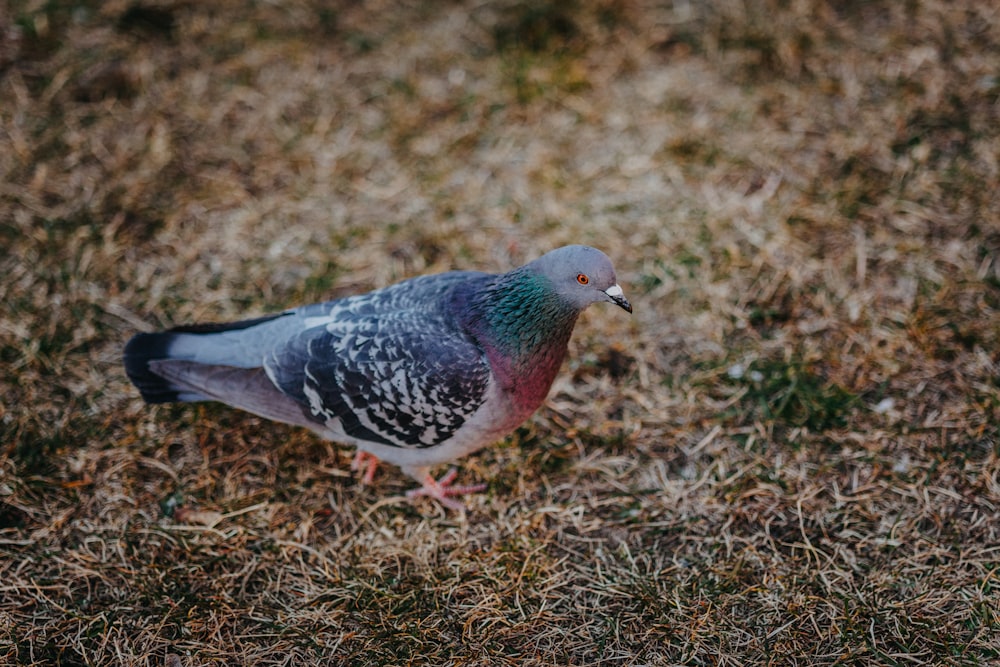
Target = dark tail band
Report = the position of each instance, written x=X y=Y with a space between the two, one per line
x=139 y=351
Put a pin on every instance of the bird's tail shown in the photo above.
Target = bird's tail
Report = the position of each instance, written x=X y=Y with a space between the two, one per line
x=213 y=362
x=215 y=344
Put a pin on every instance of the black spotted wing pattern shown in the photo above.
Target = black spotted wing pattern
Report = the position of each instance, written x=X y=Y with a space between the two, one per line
x=406 y=377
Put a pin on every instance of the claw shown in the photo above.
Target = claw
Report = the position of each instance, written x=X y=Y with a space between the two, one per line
x=442 y=490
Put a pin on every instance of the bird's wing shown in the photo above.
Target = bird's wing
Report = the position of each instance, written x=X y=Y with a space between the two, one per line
x=407 y=378
x=245 y=388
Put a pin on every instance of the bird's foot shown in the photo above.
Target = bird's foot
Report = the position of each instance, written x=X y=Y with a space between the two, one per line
x=367 y=462
x=442 y=490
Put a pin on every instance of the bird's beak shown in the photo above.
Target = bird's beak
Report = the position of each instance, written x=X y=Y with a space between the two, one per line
x=616 y=294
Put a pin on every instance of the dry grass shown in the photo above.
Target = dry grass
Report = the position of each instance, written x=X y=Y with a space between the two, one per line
x=789 y=455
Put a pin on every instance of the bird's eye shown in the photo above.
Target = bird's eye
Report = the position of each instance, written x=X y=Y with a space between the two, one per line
x=582 y=279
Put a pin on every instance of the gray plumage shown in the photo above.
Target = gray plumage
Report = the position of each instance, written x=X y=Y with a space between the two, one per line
x=418 y=373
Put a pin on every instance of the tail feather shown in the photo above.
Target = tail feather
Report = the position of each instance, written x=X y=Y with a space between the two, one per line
x=207 y=343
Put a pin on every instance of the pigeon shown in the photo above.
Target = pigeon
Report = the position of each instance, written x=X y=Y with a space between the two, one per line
x=418 y=374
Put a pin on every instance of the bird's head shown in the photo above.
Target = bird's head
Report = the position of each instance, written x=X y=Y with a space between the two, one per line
x=581 y=275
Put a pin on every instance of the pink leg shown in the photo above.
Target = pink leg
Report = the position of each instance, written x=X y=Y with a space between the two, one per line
x=442 y=490
x=367 y=462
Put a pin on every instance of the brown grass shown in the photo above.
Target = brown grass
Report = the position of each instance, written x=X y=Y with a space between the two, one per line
x=788 y=455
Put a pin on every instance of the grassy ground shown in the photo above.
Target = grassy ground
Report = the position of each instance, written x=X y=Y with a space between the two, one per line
x=788 y=455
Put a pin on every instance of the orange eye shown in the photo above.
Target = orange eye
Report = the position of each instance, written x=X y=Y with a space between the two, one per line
x=582 y=279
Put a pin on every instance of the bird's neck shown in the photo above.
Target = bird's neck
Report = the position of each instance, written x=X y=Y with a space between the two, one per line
x=524 y=327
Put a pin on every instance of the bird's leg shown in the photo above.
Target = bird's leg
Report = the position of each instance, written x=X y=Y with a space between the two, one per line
x=442 y=490
x=367 y=462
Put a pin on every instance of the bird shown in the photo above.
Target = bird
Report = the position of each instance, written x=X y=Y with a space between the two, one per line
x=417 y=374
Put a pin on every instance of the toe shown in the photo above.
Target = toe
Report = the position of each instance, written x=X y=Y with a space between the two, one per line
x=443 y=491
x=363 y=461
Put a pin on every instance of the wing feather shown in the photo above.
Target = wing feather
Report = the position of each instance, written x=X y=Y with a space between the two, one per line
x=403 y=375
